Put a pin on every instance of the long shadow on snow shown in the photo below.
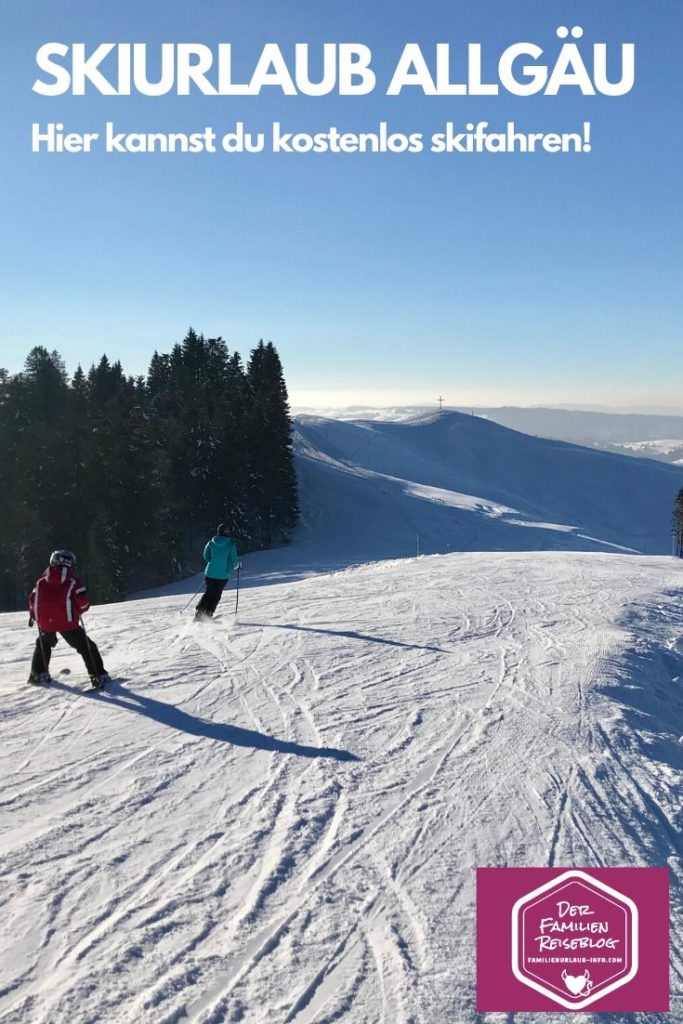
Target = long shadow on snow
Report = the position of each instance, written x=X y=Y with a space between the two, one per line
x=351 y=634
x=167 y=714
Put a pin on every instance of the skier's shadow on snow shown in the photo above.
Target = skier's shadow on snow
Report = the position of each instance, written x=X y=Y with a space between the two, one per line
x=167 y=714
x=350 y=634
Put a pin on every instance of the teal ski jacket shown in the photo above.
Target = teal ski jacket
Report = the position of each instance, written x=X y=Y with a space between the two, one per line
x=220 y=555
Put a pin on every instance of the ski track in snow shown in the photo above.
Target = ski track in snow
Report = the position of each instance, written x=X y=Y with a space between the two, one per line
x=278 y=820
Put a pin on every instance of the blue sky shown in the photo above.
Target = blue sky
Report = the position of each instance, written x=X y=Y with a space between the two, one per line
x=380 y=278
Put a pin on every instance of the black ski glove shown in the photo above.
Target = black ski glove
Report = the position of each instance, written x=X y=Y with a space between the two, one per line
x=31 y=620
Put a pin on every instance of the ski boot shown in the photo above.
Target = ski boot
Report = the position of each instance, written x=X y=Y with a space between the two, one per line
x=39 y=678
x=98 y=682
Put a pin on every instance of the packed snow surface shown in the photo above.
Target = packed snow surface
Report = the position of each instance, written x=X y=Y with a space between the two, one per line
x=279 y=819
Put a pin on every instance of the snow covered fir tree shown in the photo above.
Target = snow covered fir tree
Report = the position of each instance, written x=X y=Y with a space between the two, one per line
x=134 y=472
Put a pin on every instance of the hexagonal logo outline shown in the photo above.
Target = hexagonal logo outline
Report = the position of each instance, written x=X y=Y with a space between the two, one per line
x=558 y=890
x=555 y=883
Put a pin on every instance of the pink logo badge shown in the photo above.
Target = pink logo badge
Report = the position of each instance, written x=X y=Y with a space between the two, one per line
x=572 y=938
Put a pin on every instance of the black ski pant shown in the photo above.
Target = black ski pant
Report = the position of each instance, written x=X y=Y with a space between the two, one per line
x=76 y=638
x=211 y=596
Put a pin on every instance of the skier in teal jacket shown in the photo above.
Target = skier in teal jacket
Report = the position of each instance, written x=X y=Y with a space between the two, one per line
x=220 y=555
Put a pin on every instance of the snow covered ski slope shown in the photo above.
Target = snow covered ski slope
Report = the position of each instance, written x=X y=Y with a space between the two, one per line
x=280 y=822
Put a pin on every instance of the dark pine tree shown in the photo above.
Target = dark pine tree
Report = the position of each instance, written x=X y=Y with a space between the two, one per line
x=130 y=540
x=11 y=575
x=41 y=473
x=272 y=479
x=134 y=473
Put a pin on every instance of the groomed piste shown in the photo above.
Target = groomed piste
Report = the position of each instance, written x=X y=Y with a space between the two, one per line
x=279 y=817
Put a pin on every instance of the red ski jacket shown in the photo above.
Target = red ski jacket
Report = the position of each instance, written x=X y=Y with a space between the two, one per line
x=58 y=600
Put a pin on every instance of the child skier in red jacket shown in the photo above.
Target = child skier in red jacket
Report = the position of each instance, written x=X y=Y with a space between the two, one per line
x=56 y=604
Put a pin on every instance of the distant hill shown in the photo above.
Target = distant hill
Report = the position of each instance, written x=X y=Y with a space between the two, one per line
x=586 y=427
x=456 y=482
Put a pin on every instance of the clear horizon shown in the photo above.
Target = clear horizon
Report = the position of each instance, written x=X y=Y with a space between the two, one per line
x=381 y=279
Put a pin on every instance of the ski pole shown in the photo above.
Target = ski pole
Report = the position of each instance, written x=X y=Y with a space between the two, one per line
x=237 y=589
x=193 y=598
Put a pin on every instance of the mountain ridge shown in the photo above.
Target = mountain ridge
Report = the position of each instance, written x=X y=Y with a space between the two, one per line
x=467 y=483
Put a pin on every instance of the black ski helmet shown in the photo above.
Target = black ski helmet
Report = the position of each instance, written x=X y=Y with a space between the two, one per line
x=222 y=530
x=63 y=557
